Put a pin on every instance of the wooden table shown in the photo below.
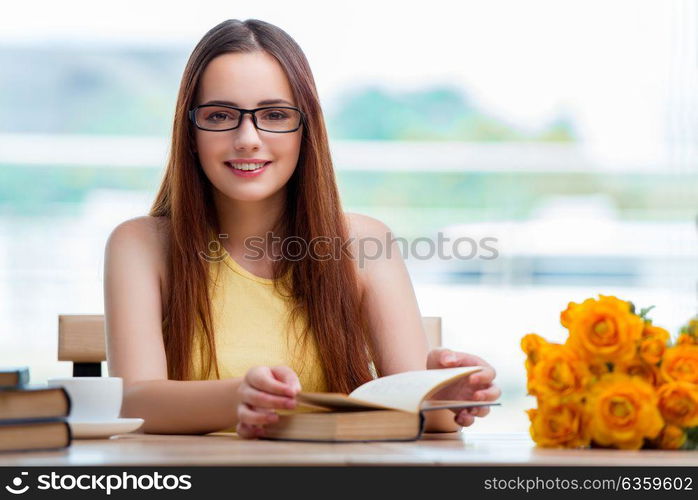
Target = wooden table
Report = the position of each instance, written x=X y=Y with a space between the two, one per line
x=218 y=449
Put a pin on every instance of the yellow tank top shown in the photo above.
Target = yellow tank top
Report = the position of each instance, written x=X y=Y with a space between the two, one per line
x=252 y=327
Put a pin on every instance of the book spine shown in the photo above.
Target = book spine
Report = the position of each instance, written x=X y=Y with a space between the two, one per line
x=7 y=394
x=422 y=424
x=49 y=447
x=19 y=377
x=69 y=402
x=30 y=421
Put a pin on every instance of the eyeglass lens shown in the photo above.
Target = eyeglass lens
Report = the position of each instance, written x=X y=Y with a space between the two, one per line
x=272 y=119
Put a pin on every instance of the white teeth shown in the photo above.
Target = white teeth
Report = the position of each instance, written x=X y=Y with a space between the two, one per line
x=246 y=166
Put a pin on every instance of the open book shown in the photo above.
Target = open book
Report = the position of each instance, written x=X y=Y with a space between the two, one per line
x=388 y=408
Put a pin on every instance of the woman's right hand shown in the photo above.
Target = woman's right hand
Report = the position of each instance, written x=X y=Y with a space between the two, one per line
x=262 y=390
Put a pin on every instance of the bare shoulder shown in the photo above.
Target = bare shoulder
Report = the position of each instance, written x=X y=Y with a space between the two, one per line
x=134 y=293
x=146 y=232
x=370 y=239
x=364 y=226
x=143 y=239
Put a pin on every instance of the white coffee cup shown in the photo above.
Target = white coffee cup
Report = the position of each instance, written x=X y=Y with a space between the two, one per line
x=92 y=398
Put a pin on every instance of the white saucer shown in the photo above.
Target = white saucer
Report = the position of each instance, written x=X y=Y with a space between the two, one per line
x=103 y=428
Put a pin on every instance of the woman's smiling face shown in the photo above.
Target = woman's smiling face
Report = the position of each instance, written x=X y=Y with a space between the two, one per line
x=245 y=80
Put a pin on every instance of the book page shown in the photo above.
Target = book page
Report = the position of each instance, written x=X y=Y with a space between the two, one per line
x=335 y=401
x=405 y=391
x=454 y=404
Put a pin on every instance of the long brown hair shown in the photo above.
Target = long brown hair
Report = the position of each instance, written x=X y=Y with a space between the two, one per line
x=326 y=292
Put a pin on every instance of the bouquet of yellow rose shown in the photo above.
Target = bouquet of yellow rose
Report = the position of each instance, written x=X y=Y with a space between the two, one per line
x=618 y=381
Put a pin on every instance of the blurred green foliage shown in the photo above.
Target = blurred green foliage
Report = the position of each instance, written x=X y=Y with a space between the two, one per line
x=498 y=195
x=121 y=91
x=118 y=91
x=33 y=190
x=87 y=90
x=433 y=114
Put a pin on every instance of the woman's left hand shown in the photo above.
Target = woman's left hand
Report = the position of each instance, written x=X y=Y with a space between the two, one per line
x=477 y=387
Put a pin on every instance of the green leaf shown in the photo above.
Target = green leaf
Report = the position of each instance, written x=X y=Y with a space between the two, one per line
x=691 y=439
x=644 y=311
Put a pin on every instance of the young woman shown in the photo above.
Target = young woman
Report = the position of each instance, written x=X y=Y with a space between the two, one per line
x=242 y=286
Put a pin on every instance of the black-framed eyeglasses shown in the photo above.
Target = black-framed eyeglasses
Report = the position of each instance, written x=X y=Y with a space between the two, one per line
x=221 y=117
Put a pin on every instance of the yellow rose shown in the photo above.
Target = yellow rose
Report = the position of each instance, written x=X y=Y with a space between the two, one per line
x=637 y=367
x=559 y=372
x=680 y=363
x=565 y=316
x=599 y=368
x=652 y=349
x=531 y=344
x=671 y=438
x=691 y=328
x=604 y=329
x=559 y=424
x=678 y=402
x=685 y=338
x=650 y=330
x=689 y=333
x=623 y=411
x=653 y=343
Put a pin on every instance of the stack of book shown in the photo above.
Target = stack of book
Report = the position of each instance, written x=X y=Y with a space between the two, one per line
x=32 y=417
